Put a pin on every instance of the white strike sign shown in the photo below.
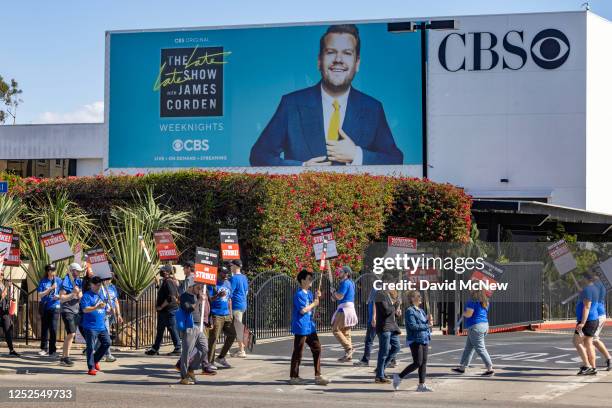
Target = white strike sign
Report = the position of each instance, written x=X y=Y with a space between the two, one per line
x=562 y=257
x=56 y=245
x=99 y=263
x=318 y=236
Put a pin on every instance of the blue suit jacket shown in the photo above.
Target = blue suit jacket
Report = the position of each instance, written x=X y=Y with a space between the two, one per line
x=296 y=129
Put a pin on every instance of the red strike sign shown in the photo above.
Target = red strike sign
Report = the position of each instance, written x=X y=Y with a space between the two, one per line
x=409 y=244
x=230 y=249
x=14 y=256
x=165 y=246
x=206 y=266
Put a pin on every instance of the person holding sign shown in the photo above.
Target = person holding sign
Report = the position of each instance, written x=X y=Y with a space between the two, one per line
x=49 y=308
x=477 y=323
x=240 y=291
x=587 y=318
x=220 y=296
x=344 y=317
x=304 y=329
x=94 y=328
x=113 y=311
x=601 y=310
x=167 y=305
x=70 y=297
x=418 y=337
x=6 y=320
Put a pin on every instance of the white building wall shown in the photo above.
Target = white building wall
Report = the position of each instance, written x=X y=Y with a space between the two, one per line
x=599 y=115
x=527 y=125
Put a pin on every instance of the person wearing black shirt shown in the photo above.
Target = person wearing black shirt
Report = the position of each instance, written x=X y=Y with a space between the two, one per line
x=6 y=320
x=387 y=308
x=167 y=305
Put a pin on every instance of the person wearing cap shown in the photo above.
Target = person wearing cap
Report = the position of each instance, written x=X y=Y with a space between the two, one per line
x=188 y=270
x=192 y=338
x=113 y=311
x=94 y=327
x=344 y=317
x=49 y=308
x=240 y=291
x=166 y=305
x=220 y=296
x=587 y=320
x=70 y=296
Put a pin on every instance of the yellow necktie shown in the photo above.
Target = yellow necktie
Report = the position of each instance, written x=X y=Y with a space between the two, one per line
x=334 y=123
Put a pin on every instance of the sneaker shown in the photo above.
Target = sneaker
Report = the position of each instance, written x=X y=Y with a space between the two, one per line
x=320 y=380
x=361 y=363
x=345 y=359
x=488 y=373
x=187 y=381
x=297 y=381
x=16 y=354
x=66 y=362
x=110 y=359
x=97 y=366
x=174 y=352
x=54 y=354
x=91 y=372
x=222 y=362
x=152 y=352
x=392 y=364
x=382 y=380
x=458 y=370
x=238 y=354
x=211 y=367
x=209 y=371
x=582 y=370
x=424 y=388
x=43 y=353
x=397 y=380
x=591 y=371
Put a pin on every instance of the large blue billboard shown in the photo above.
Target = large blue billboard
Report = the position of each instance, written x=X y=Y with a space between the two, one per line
x=334 y=94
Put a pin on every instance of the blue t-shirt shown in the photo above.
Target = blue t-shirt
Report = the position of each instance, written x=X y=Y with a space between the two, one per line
x=112 y=294
x=92 y=320
x=590 y=292
x=347 y=289
x=601 y=303
x=220 y=306
x=302 y=324
x=240 y=289
x=48 y=301
x=479 y=315
x=72 y=305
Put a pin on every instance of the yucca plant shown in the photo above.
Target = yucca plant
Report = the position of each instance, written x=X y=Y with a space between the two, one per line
x=11 y=208
x=46 y=214
x=133 y=273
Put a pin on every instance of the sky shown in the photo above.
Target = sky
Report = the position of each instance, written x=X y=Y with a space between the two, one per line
x=55 y=49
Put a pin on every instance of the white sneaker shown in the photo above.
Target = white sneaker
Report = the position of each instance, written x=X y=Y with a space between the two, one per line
x=211 y=367
x=397 y=380
x=222 y=362
x=424 y=388
x=239 y=354
x=43 y=353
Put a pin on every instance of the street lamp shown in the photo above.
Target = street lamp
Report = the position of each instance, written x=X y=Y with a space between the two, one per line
x=423 y=26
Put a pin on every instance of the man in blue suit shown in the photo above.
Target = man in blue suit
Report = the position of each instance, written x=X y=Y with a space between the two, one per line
x=330 y=123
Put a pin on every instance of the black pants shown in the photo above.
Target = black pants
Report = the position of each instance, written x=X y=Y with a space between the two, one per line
x=419 y=361
x=7 y=327
x=167 y=319
x=49 y=319
x=298 y=348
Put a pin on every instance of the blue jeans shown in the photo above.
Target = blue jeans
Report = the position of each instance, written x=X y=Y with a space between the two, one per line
x=107 y=322
x=369 y=341
x=167 y=319
x=475 y=342
x=95 y=355
x=388 y=347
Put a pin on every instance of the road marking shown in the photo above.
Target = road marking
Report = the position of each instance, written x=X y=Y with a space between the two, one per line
x=567 y=385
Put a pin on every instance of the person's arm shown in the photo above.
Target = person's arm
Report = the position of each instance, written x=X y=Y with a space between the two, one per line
x=340 y=293
x=268 y=148
x=374 y=315
x=415 y=324
x=311 y=306
x=383 y=149
x=468 y=312
x=586 y=306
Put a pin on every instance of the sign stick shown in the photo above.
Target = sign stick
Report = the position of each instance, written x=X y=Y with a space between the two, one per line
x=202 y=311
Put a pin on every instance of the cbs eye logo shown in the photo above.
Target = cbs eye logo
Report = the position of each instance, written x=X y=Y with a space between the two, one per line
x=550 y=49
x=177 y=145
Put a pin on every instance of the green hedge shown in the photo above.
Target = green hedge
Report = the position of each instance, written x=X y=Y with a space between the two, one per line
x=275 y=213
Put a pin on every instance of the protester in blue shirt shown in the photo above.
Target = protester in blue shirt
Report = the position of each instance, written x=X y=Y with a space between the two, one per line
x=113 y=311
x=94 y=326
x=220 y=296
x=49 y=309
x=240 y=291
x=418 y=337
x=601 y=310
x=70 y=296
x=587 y=318
x=304 y=329
x=345 y=316
x=477 y=324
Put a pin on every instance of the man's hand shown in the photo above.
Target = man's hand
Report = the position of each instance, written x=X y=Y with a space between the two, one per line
x=373 y=322
x=343 y=150
x=579 y=326
x=101 y=305
x=119 y=319
x=317 y=161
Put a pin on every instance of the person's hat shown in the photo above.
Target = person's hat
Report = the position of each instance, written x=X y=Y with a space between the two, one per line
x=95 y=280
x=50 y=267
x=225 y=269
x=188 y=264
x=236 y=262
x=589 y=275
x=76 y=267
x=347 y=269
x=166 y=268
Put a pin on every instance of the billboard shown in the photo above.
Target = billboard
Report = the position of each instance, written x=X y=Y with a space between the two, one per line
x=333 y=94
